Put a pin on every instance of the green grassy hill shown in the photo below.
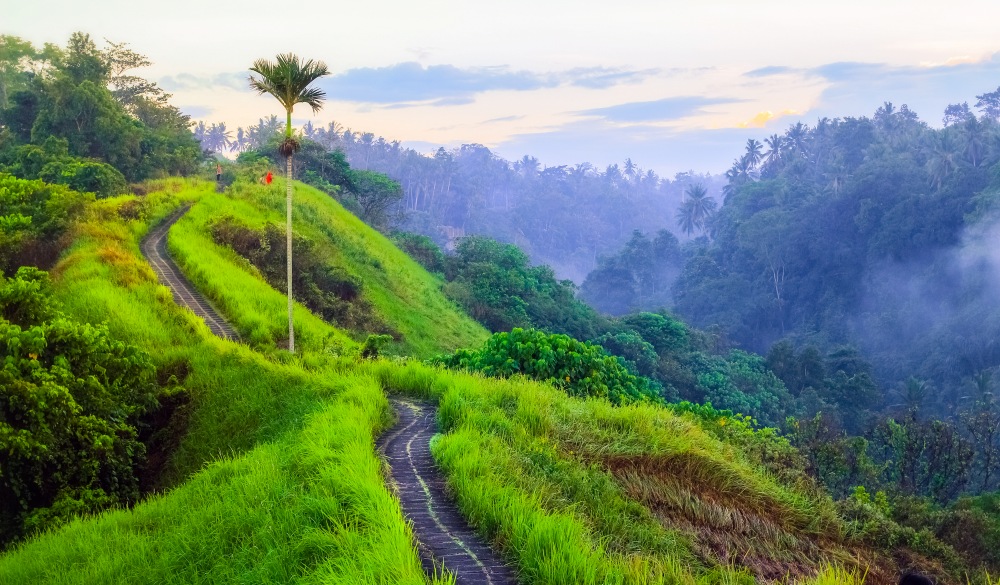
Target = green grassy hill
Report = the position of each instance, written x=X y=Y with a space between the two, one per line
x=267 y=471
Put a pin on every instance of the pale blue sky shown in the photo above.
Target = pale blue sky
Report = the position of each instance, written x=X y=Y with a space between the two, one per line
x=673 y=85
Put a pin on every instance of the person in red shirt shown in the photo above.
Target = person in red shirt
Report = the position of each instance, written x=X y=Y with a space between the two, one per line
x=268 y=178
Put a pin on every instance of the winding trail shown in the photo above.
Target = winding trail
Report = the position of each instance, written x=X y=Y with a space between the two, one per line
x=442 y=534
x=154 y=248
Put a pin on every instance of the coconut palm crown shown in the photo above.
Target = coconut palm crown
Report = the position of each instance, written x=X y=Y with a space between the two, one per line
x=287 y=78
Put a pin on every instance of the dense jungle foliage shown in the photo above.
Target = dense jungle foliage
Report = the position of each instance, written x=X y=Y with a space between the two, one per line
x=72 y=403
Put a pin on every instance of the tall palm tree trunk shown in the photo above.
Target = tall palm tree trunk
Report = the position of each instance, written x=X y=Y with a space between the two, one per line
x=288 y=248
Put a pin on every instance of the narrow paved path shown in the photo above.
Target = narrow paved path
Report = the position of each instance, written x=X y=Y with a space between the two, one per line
x=442 y=534
x=154 y=248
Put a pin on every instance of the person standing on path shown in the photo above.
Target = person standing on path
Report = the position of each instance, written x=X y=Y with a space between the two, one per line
x=218 y=172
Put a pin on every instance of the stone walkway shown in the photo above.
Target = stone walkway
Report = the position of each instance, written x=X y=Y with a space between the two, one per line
x=154 y=248
x=442 y=534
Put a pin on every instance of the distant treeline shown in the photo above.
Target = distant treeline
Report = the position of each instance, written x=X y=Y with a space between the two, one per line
x=566 y=217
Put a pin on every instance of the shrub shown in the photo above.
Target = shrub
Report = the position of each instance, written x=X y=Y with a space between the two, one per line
x=580 y=369
x=33 y=216
x=70 y=399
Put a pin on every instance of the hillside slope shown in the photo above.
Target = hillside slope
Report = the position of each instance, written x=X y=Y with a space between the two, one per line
x=404 y=297
x=272 y=457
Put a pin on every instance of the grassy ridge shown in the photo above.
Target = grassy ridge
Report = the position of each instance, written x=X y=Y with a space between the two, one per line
x=402 y=293
x=281 y=480
x=283 y=483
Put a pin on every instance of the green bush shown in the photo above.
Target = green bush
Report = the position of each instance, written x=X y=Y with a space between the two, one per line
x=33 y=216
x=580 y=369
x=86 y=176
x=70 y=399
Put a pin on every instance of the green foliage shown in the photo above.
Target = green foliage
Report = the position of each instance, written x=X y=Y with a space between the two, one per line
x=34 y=217
x=742 y=383
x=422 y=249
x=497 y=285
x=924 y=457
x=580 y=369
x=376 y=194
x=70 y=400
x=373 y=346
x=108 y=137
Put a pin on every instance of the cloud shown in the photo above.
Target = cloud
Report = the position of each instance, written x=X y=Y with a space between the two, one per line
x=502 y=119
x=605 y=77
x=186 y=81
x=859 y=88
x=408 y=84
x=412 y=82
x=771 y=70
x=671 y=108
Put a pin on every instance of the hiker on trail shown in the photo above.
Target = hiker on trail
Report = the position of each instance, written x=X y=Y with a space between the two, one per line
x=218 y=172
x=268 y=178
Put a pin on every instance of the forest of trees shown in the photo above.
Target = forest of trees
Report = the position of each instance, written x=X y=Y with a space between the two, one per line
x=565 y=217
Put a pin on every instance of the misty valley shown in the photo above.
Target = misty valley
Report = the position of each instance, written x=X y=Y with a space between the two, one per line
x=439 y=365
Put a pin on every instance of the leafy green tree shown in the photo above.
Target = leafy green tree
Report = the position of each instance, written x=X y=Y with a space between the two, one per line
x=375 y=194
x=581 y=369
x=288 y=79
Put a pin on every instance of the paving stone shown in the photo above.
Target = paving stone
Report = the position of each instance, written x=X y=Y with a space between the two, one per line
x=442 y=533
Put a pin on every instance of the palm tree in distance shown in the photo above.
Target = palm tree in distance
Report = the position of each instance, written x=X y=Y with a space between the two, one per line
x=696 y=209
x=288 y=79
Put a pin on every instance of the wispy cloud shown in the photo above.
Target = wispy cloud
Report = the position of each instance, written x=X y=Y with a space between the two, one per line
x=605 y=77
x=405 y=84
x=671 y=108
x=413 y=82
x=771 y=70
x=186 y=81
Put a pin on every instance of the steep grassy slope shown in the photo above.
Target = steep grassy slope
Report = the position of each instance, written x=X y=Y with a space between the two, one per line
x=292 y=491
x=273 y=462
x=403 y=294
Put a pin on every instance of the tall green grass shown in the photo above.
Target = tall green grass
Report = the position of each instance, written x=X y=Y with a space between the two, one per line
x=533 y=470
x=282 y=480
x=402 y=293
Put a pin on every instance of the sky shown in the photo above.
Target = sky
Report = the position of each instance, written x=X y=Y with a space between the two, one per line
x=674 y=86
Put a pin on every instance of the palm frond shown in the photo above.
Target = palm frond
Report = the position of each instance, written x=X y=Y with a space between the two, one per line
x=287 y=78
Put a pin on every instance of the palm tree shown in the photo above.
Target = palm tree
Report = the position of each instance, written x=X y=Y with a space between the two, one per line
x=753 y=154
x=685 y=218
x=775 y=150
x=288 y=79
x=696 y=209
